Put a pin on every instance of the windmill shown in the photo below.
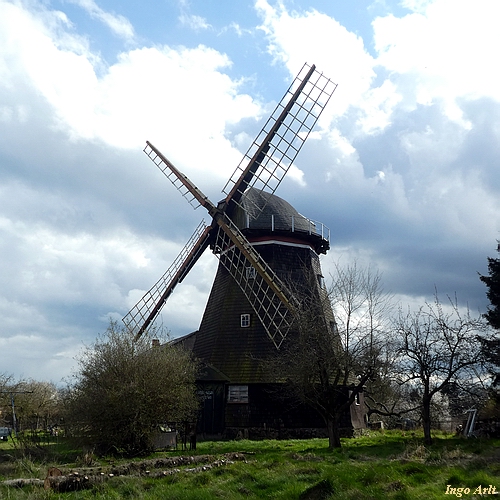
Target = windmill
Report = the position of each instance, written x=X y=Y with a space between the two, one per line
x=263 y=167
x=263 y=245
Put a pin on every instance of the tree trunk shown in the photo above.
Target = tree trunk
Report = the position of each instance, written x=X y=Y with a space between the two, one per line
x=156 y=468
x=332 y=425
x=426 y=420
x=20 y=483
x=72 y=482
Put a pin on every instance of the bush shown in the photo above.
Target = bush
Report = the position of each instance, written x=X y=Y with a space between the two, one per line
x=125 y=389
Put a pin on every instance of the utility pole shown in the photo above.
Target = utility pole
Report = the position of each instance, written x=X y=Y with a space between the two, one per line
x=14 y=420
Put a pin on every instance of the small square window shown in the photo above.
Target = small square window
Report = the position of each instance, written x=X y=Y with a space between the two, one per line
x=251 y=272
x=237 y=394
x=245 y=320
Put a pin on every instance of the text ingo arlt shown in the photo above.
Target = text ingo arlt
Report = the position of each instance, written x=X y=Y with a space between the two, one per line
x=480 y=490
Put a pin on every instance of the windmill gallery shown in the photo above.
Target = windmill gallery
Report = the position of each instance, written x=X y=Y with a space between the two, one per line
x=268 y=265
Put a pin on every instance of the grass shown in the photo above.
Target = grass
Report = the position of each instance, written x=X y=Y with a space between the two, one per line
x=387 y=465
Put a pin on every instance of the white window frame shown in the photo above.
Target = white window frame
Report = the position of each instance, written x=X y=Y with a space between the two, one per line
x=237 y=394
x=245 y=320
x=251 y=272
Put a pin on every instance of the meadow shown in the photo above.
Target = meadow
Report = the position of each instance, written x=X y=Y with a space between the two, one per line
x=380 y=465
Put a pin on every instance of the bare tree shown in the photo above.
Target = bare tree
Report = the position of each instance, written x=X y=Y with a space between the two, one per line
x=385 y=398
x=37 y=404
x=5 y=402
x=329 y=361
x=438 y=346
x=125 y=388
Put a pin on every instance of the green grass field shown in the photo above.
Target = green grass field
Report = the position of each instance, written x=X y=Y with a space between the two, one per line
x=388 y=465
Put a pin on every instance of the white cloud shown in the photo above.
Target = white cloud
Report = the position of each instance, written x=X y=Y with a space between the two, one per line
x=378 y=106
x=118 y=24
x=296 y=175
x=345 y=164
x=419 y=6
x=194 y=22
x=313 y=37
x=444 y=47
x=399 y=161
x=77 y=268
x=149 y=93
x=58 y=66
x=43 y=358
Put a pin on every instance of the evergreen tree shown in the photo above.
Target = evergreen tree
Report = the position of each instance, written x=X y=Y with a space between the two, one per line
x=492 y=281
x=491 y=349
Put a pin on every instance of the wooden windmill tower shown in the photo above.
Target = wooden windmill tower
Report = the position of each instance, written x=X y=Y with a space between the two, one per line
x=267 y=253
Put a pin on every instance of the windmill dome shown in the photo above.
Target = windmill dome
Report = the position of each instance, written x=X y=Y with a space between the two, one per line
x=278 y=219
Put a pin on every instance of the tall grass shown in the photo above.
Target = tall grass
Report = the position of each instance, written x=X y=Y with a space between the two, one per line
x=388 y=465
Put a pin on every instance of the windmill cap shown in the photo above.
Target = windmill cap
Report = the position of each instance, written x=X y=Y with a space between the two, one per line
x=278 y=217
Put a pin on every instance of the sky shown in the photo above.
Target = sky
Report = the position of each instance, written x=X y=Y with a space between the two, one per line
x=402 y=166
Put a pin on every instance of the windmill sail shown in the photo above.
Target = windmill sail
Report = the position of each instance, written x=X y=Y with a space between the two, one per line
x=272 y=153
x=145 y=311
x=273 y=303
x=190 y=192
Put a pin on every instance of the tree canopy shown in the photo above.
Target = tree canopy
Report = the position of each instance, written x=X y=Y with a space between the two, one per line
x=492 y=282
x=125 y=389
x=491 y=348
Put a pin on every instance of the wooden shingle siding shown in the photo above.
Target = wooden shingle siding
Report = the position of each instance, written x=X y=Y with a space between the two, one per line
x=239 y=352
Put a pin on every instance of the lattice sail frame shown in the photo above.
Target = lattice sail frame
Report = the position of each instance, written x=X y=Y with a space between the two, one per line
x=149 y=306
x=173 y=176
x=269 y=297
x=292 y=131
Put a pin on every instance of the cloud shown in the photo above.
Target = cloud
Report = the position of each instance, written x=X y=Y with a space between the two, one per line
x=445 y=47
x=118 y=24
x=194 y=22
x=311 y=36
x=149 y=93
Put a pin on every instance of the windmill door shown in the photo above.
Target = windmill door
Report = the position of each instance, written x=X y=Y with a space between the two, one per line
x=211 y=416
